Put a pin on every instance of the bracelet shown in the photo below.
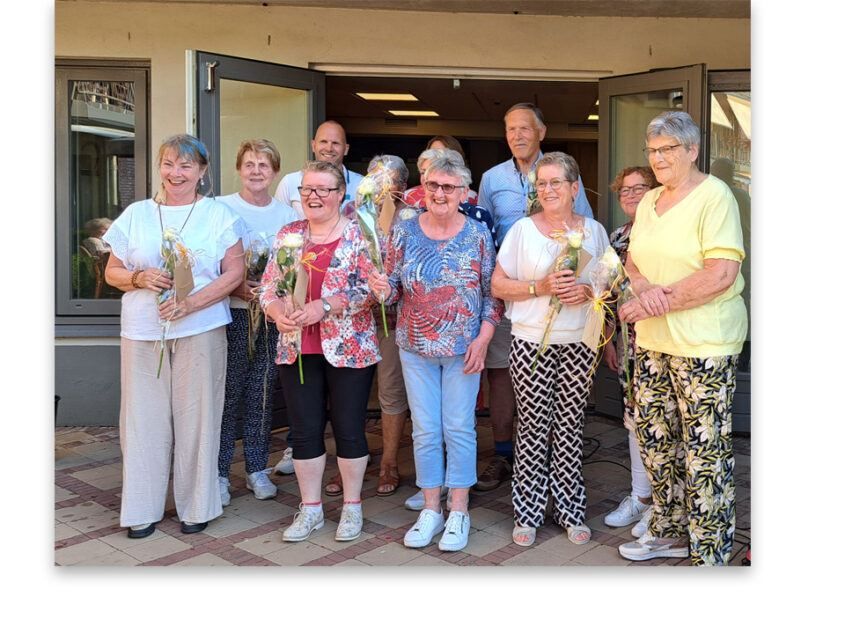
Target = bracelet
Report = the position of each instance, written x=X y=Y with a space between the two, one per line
x=135 y=279
x=531 y=290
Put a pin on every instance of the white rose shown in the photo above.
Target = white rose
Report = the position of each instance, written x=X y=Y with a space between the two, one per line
x=367 y=187
x=170 y=235
x=292 y=241
x=575 y=238
x=532 y=177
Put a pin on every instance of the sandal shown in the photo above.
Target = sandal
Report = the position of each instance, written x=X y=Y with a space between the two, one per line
x=580 y=534
x=334 y=487
x=524 y=535
x=388 y=478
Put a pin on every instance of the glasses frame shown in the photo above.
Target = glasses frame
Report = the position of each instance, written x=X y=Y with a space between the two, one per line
x=315 y=191
x=624 y=191
x=663 y=151
x=541 y=185
x=443 y=186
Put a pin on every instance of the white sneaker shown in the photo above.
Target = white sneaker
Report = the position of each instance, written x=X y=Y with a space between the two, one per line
x=260 y=485
x=456 y=532
x=225 y=496
x=649 y=547
x=428 y=525
x=629 y=511
x=641 y=527
x=285 y=465
x=417 y=501
x=304 y=523
x=350 y=524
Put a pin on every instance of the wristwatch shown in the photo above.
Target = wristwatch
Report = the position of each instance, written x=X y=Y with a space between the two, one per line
x=531 y=288
x=327 y=308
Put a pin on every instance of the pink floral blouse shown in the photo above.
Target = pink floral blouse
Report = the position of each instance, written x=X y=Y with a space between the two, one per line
x=348 y=339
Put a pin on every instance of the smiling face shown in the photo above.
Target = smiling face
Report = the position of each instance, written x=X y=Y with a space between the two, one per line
x=675 y=166
x=329 y=144
x=180 y=176
x=256 y=172
x=439 y=203
x=321 y=209
x=631 y=193
x=555 y=201
x=523 y=135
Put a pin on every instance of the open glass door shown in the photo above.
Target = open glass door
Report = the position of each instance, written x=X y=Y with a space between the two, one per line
x=241 y=99
x=627 y=104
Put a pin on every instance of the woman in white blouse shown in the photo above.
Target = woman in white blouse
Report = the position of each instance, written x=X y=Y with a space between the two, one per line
x=550 y=400
x=178 y=412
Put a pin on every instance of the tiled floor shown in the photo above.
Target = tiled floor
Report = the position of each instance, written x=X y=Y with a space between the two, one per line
x=87 y=503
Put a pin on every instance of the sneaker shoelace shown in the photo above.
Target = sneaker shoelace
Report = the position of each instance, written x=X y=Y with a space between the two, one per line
x=455 y=524
x=350 y=517
x=301 y=519
x=423 y=522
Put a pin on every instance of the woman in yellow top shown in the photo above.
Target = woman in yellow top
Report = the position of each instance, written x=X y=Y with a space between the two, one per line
x=691 y=322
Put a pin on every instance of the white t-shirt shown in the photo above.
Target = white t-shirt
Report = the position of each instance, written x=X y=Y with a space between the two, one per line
x=261 y=225
x=288 y=193
x=135 y=238
x=526 y=254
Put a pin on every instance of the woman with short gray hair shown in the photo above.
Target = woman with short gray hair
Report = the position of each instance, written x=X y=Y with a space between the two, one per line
x=684 y=259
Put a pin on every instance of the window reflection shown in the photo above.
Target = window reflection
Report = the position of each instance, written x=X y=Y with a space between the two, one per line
x=730 y=160
x=102 y=173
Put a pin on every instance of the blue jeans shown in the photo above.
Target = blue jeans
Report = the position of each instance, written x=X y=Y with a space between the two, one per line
x=442 y=401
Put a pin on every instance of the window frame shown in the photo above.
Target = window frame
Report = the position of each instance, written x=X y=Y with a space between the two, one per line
x=81 y=312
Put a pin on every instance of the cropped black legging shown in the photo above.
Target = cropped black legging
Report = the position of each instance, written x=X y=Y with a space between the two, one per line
x=349 y=391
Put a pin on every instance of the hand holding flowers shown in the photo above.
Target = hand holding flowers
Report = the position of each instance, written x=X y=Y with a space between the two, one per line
x=372 y=188
x=288 y=261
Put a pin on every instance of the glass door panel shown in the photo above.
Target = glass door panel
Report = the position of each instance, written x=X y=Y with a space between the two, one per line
x=260 y=111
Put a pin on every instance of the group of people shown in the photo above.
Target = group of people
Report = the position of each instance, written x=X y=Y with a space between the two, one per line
x=466 y=286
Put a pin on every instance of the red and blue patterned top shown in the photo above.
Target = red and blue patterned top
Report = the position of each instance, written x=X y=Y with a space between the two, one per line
x=348 y=339
x=443 y=287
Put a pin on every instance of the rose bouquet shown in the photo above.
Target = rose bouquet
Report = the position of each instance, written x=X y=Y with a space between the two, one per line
x=289 y=262
x=256 y=257
x=174 y=254
x=374 y=187
x=532 y=202
x=567 y=259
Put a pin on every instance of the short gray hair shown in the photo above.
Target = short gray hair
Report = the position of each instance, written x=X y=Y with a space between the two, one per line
x=390 y=162
x=675 y=124
x=429 y=155
x=452 y=165
x=561 y=160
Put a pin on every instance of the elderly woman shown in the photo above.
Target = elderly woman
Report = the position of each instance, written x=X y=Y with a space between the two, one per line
x=630 y=185
x=416 y=195
x=179 y=412
x=339 y=348
x=250 y=373
x=552 y=399
x=684 y=259
x=439 y=266
x=391 y=386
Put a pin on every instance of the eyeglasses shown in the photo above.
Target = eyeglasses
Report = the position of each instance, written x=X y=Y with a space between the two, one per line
x=322 y=192
x=555 y=184
x=447 y=189
x=636 y=190
x=666 y=149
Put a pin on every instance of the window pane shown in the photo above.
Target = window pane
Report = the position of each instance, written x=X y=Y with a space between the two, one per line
x=730 y=160
x=102 y=176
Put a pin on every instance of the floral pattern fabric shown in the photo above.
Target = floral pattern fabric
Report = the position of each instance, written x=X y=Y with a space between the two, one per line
x=348 y=339
x=443 y=288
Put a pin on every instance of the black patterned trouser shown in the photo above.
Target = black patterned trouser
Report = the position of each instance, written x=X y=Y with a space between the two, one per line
x=682 y=411
x=550 y=408
x=249 y=383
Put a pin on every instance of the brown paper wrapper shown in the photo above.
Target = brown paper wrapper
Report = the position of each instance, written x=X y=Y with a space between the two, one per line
x=300 y=289
x=183 y=280
x=385 y=219
x=593 y=328
x=583 y=260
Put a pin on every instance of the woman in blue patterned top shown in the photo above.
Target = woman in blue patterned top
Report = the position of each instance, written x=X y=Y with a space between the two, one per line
x=439 y=267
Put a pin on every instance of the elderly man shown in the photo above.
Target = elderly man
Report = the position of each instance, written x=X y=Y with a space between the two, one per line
x=505 y=190
x=329 y=144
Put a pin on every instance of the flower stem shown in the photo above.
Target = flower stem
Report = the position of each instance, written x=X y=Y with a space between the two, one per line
x=384 y=320
x=299 y=360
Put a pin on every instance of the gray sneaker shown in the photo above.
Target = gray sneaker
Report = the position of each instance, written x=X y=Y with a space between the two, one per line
x=225 y=497
x=350 y=524
x=304 y=523
x=260 y=485
x=649 y=547
x=285 y=465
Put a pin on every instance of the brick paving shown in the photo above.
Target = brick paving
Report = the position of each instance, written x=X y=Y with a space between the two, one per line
x=87 y=506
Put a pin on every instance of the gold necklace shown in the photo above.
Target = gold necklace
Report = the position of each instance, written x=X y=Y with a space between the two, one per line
x=328 y=235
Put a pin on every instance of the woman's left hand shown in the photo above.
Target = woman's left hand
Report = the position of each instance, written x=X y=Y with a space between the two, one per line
x=569 y=292
x=310 y=314
x=169 y=310
x=475 y=355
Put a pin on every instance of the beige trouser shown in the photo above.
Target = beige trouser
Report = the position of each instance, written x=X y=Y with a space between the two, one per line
x=179 y=414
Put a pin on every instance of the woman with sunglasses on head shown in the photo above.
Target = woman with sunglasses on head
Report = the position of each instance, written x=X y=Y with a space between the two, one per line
x=552 y=398
x=438 y=268
x=684 y=258
x=630 y=185
x=171 y=401
x=339 y=349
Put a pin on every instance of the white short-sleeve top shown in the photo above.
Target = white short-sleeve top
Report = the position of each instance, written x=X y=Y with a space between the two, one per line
x=526 y=254
x=135 y=238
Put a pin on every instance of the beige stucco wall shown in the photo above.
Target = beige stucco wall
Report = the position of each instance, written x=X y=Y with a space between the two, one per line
x=300 y=37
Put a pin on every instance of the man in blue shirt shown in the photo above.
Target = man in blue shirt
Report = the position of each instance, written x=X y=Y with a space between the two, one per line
x=505 y=191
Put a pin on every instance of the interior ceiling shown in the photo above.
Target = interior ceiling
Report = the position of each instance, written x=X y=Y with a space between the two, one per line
x=570 y=8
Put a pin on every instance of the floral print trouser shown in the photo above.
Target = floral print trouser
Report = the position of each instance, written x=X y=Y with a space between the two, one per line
x=682 y=411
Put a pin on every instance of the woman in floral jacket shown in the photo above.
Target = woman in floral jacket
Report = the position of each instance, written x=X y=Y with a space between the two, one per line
x=332 y=335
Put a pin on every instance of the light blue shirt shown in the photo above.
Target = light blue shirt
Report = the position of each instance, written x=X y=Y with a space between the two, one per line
x=504 y=191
